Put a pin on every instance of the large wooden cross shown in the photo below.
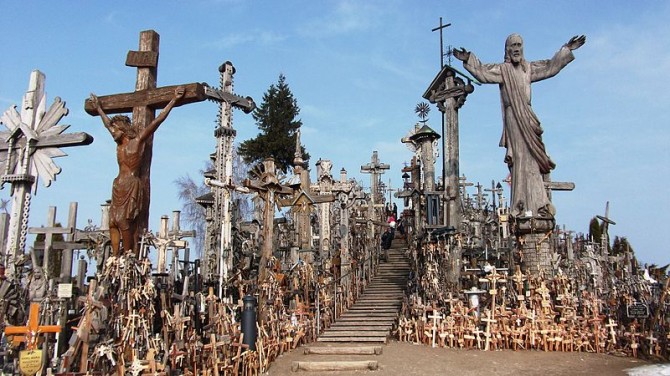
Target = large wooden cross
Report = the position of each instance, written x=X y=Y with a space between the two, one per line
x=144 y=101
x=33 y=138
x=32 y=328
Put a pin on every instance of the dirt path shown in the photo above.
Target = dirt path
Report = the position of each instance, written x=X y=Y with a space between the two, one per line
x=401 y=358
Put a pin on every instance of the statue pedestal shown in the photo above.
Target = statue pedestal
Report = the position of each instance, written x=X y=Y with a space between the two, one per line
x=534 y=242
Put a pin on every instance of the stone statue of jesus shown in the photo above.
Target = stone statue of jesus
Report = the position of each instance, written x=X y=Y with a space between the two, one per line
x=526 y=157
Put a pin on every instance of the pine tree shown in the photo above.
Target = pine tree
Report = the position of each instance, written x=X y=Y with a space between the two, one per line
x=595 y=231
x=277 y=120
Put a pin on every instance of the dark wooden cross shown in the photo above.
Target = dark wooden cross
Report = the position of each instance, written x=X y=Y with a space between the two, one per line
x=48 y=246
x=144 y=101
x=267 y=186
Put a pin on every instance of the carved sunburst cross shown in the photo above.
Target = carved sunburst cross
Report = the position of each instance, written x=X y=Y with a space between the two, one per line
x=422 y=109
x=35 y=130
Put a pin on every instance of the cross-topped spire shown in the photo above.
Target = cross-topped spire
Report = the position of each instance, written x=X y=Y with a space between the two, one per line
x=440 y=28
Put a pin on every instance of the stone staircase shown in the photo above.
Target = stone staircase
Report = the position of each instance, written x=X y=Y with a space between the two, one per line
x=366 y=325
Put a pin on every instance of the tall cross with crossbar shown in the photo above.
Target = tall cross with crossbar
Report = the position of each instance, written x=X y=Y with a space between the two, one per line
x=143 y=103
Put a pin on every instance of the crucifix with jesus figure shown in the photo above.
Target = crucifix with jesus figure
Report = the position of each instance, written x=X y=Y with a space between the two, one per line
x=129 y=214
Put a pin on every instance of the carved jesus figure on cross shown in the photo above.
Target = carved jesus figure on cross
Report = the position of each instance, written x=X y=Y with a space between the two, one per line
x=128 y=188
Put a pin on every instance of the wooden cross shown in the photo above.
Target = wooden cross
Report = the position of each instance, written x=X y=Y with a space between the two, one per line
x=493 y=279
x=237 y=358
x=213 y=346
x=652 y=341
x=519 y=278
x=436 y=317
x=49 y=233
x=267 y=186
x=178 y=322
x=375 y=168
x=33 y=139
x=611 y=324
x=32 y=328
x=176 y=356
x=83 y=330
x=488 y=320
x=144 y=101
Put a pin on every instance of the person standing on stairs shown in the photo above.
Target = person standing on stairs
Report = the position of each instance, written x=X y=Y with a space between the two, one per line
x=387 y=238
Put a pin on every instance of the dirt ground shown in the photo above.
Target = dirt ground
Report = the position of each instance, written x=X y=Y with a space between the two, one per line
x=401 y=358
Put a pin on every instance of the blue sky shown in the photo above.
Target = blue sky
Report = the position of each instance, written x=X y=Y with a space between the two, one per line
x=357 y=70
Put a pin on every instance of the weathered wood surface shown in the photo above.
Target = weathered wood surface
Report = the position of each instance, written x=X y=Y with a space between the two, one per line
x=344 y=350
x=335 y=366
x=60 y=140
x=153 y=98
x=354 y=333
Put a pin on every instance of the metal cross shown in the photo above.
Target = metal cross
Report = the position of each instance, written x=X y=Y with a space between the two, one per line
x=440 y=28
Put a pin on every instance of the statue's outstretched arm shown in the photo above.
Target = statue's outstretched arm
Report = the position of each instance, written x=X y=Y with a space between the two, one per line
x=103 y=115
x=151 y=128
x=461 y=54
x=576 y=42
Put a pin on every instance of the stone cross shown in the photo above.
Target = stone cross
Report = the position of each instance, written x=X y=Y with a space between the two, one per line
x=33 y=138
x=143 y=103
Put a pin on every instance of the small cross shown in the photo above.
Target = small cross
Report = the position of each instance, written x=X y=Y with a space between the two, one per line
x=436 y=316
x=611 y=326
x=440 y=28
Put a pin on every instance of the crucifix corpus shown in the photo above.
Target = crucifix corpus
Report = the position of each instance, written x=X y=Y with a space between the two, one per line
x=129 y=212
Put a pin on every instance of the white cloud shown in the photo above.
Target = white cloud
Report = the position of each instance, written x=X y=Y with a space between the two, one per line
x=232 y=40
x=347 y=17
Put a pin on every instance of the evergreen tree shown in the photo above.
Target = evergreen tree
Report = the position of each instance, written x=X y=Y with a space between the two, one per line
x=595 y=231
x=277 y=120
